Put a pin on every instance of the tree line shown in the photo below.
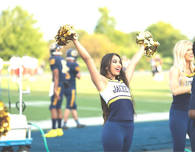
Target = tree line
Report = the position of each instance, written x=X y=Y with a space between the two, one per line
x=19 y=37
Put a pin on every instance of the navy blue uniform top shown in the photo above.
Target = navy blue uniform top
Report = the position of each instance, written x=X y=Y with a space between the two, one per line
x=181 y=102
x=192 y=99
x=58 y=62
x=72 y=72
x=118 y=98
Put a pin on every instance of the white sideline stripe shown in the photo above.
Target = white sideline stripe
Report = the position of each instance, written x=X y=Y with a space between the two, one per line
x=91 y=121
x=34 y=103
x=152 y=116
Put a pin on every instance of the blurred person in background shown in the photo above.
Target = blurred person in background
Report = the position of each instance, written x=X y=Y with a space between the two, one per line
x=156 y=66
x=116 y=100
x=58 y=68
x=70 y=87
x=153 y=66
x=192 y=109
x=180 y=84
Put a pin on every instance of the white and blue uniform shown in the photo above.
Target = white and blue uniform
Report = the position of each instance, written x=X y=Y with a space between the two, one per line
x=118 y=130
x=178 y=116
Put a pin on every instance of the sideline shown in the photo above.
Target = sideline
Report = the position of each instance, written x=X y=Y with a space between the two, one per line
x=92 y=121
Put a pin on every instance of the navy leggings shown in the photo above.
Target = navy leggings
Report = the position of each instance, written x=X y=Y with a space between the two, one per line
x=179 y=126
x=117 y=136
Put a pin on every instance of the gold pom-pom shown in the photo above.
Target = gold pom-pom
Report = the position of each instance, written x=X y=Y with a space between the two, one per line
x=65 y=33
x=149 y=44
x=4 y=120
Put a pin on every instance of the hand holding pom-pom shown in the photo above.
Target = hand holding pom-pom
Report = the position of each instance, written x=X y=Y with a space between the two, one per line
x=150 y=45
x=65 y=34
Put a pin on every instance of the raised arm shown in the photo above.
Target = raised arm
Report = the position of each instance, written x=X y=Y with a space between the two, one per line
x=133 y=62
x=98 y=80
x=177 y=89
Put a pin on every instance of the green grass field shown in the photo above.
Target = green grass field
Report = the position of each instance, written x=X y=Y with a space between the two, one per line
x=149 y=95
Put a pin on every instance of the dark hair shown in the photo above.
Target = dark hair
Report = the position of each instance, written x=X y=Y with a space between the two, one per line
x=104 y=68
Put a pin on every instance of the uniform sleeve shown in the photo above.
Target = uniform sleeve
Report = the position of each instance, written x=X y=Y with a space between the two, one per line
x=74 y=68
x=77 y=68
x=53 y=63
x=192 y=99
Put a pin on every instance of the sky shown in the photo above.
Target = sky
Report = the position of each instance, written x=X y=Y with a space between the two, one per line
x=130 y=15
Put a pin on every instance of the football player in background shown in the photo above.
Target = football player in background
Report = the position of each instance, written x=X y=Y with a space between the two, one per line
x=58 y=68
x=70 y=87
